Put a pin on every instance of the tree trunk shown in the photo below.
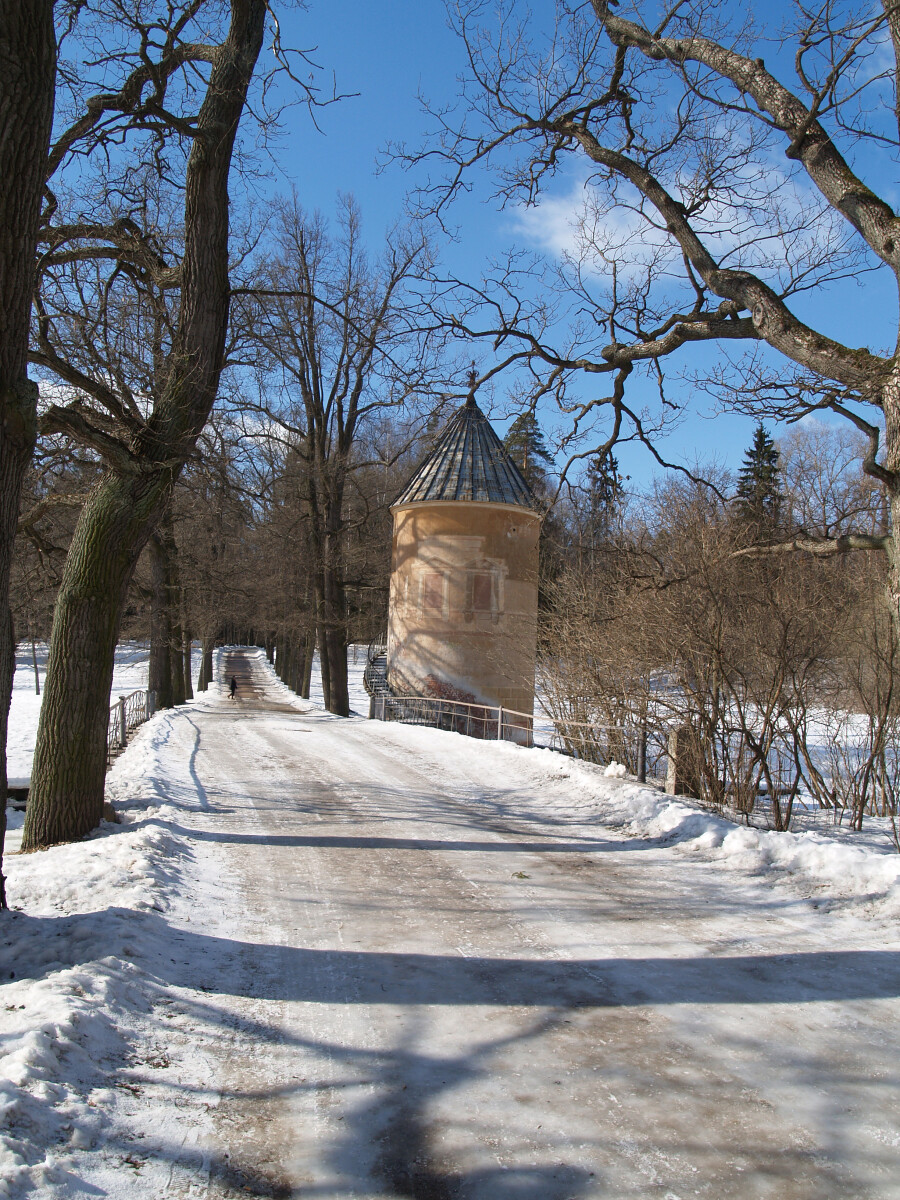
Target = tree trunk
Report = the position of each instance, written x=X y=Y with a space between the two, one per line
x=309 y=649
x=66 y=799
x=301 y=657
x=187 y=647
x=322 y=642
x=27 y=82
x=165 y=538
x=335 y=608
x=298 y=665
x=206 y=665
x=891 y=406
x=336 y=644
x=176 y=645
x=160 y=680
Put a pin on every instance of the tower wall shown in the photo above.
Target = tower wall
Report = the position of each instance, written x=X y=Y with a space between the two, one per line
x=463 y=608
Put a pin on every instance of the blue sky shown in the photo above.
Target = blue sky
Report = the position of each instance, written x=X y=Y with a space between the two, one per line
x=389 y=52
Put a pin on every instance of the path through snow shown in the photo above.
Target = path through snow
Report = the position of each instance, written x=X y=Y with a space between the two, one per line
x=393 y=962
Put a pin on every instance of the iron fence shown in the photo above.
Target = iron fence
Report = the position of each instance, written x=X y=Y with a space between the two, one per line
x=483 y=721
x=125 y=715
x=587 y=740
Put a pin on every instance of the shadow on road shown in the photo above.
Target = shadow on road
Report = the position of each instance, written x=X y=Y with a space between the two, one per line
x=386 y=1132
x=340 y=976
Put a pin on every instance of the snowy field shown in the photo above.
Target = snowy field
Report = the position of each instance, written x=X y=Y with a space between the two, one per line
x=130 y=675
x=136 y=1038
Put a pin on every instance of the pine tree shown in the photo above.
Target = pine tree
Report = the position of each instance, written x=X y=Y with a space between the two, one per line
x=604 y=488
x=759 y=495
x=525 y=444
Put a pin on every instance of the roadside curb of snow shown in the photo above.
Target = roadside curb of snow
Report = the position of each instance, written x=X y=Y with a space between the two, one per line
x=844 y=870
x=74 y=1003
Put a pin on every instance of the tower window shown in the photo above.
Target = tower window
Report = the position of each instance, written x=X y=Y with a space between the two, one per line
x=482 y=592
x=433 y=593
x=482 y=597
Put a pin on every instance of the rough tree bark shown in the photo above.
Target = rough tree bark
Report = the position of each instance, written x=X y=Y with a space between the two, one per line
x=169 y=678
x=205 y=677
x=334 y=608
x=186 y=647
x=67 y=795
x=27 y=79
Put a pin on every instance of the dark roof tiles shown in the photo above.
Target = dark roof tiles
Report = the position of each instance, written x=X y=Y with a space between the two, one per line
x=468 y=462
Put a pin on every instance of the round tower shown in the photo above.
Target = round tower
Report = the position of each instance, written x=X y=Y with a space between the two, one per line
x=464 y=573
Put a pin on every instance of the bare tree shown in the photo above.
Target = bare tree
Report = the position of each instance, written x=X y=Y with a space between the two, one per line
x=143 y=449
x=747 y=659
x=829 y=492
x=340 y=336
x=716 y=195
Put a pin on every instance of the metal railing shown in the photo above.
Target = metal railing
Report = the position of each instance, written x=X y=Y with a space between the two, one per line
x=375 y=672
x=484 y=721
x=125 y=715
x=645 y=754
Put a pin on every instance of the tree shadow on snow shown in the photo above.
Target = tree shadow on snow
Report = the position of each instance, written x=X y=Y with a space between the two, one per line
x=387 y=1133
x=350 y=842
x=342 y=976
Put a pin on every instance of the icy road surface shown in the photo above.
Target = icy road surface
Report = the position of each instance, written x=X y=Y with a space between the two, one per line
x=399 y=964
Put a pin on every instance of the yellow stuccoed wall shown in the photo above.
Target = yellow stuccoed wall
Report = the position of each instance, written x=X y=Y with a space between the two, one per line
x=439 y=643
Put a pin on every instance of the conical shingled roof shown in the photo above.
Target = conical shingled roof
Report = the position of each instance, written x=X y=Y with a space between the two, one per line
x=468 y=462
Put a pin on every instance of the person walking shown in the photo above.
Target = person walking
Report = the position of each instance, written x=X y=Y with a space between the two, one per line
x=232 y=688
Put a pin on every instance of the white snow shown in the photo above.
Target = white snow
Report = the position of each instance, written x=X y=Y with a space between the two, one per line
x=93 y=1022
x=130 y=675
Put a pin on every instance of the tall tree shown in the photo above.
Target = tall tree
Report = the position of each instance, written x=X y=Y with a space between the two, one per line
x=759 y=492
x=143 y=452
x=528 y=448
x=340 y=334
x=723 y=186
x=27 y=82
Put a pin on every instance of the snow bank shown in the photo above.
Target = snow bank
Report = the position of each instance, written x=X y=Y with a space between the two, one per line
x=70 y=990
x=72 y=999
x=871 y=869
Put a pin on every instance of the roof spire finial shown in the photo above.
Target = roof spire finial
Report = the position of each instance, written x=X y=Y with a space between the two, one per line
x=473 y=380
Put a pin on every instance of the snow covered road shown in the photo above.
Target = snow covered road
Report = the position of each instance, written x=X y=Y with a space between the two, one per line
x=401 y=963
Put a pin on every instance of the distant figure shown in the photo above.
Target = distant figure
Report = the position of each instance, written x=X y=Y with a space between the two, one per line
x=232 y=687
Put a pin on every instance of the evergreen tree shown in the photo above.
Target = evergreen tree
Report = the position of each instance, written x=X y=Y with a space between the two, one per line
x=759 y=495
x=525 y=444
x=604 y=490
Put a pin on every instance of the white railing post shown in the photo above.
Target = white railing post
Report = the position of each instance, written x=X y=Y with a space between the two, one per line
x=123 y=724
x=500 y=724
